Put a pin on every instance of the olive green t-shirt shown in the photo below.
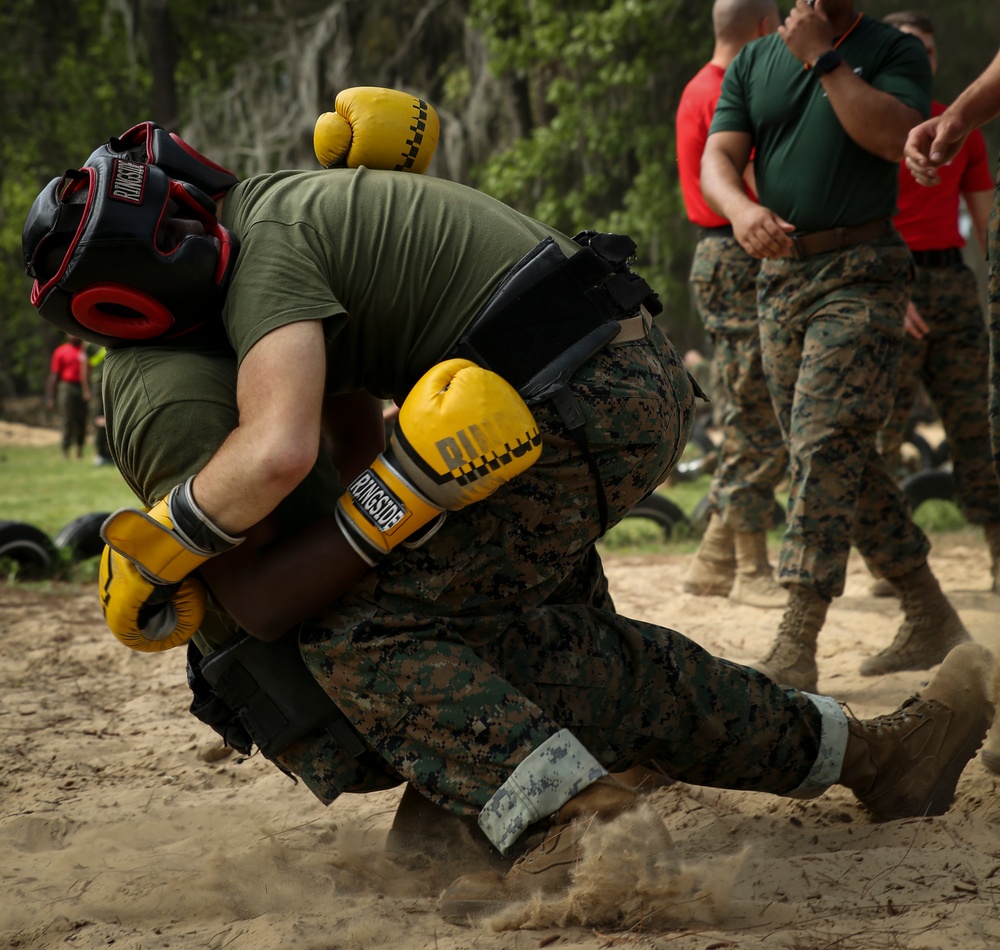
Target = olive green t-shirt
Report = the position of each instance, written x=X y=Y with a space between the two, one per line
x=395 y=264
x=808 y=170
x=167 y=412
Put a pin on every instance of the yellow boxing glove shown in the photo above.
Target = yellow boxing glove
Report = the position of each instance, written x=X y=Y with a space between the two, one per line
x=378 y=128
x=148 y=556
x=462 y=433
x=145 y=616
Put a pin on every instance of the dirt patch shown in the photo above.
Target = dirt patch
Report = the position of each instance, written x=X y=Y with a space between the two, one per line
x=17 y=433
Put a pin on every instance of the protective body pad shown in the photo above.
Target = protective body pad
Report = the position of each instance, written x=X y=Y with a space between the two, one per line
x=378 y=128
x=568 y=307
x=276 y=697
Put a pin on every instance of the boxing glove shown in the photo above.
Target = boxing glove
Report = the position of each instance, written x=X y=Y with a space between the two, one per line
x=149 y=555
x=378 y=128
x=462 y=433
x=145 y=616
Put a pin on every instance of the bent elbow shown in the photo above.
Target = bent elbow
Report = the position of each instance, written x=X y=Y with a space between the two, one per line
x=284 y=465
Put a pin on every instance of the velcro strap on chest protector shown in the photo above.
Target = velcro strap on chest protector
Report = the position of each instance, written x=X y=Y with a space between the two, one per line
x=552 y=313
x=275 y=695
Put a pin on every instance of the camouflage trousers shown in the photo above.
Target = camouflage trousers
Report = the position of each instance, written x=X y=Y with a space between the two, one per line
x=73 y=412
x=831 y=332
x=994 y=254
x=752 y=456
x=951 y=361
x=458 y=659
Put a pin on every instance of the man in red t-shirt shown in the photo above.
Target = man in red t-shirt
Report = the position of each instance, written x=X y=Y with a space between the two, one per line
x=946 y=347
x=732 y=558
x=68 y=386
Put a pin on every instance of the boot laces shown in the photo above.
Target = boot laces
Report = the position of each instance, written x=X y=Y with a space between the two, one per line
x=893 y=723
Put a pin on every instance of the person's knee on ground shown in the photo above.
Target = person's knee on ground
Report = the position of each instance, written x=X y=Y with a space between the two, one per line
x=552 y=852
x=904 y=764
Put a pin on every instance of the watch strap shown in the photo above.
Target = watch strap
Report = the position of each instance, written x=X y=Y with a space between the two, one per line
x=828 y=62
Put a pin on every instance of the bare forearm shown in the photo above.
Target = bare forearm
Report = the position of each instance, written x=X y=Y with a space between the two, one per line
x=980 y=102
x=722 y=184
x=280 y=395
x=268 y=586
x=875 y=120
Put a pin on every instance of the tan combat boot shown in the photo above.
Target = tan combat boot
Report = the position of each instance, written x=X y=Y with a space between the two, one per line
x=792 y=660
x=420 y=828
x=714 y=565
x=755 y=584
x=546 y=868
x=992 y=532
x=930 y=627
x=907 y=764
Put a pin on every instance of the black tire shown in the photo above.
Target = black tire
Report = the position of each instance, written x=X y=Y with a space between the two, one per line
x=28 y=546
x=82 y=536
x=923 y=486
x=941 y=454
x=661 y=510
x=923 y=448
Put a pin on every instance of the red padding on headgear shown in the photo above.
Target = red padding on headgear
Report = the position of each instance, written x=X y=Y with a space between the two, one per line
x=150 y=319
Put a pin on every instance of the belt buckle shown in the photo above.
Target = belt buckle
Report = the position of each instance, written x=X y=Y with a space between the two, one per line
x=797 y=251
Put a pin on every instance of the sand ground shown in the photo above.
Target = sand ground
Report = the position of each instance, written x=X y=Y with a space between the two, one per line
x=125 y=823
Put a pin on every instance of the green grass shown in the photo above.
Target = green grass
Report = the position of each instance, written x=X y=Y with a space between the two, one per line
x=38 y=486
x=41 y=488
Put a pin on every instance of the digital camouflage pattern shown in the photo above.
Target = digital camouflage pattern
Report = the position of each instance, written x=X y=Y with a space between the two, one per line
x=831 y=331
x=458 y=658
x=952 y=363
x=752 y=458
x=994 y=254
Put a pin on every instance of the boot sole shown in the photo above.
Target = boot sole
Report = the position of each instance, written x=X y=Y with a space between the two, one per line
x=873 y=666
x=706 y=590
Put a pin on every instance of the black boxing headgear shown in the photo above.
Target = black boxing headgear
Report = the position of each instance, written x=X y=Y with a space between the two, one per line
x=123 y=254
x=151 y=144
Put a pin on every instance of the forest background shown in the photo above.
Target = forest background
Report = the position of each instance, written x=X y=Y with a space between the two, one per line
x=562 y=108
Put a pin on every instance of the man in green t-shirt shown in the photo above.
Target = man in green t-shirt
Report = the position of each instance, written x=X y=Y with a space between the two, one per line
x=484 y=663
x=825 y=106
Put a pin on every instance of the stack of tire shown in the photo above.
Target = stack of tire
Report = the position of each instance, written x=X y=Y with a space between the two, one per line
x=33 y=551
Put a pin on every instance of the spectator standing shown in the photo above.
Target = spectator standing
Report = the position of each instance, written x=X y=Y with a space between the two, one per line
x=68 y=389
x=826 y=105
x=946 y=347
x=732 y=557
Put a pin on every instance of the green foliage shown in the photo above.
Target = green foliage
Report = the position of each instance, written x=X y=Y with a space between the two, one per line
x=604 y=81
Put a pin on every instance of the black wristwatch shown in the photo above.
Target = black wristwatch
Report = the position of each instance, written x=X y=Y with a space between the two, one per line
x=828 y=62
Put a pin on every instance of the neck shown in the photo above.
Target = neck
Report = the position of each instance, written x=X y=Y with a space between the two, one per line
x=725 y=53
